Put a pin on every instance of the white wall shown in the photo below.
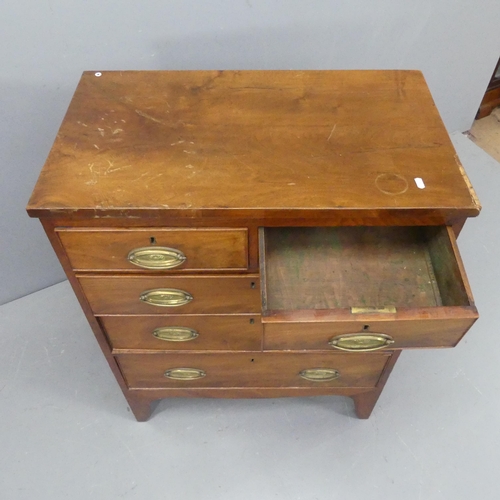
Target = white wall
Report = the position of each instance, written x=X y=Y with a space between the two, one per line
x=44 y=46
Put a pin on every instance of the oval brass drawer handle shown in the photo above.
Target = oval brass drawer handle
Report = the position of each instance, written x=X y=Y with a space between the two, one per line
x=319 y=374
x=166 y=297
x=184 y=373
x=357 y=342
x=175 y=333
x=156 y=257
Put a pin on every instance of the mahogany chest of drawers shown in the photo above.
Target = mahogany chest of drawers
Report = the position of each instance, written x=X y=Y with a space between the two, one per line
x=258 y=233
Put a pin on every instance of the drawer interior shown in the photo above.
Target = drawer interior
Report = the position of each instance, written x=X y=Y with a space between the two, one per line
x=361 y=267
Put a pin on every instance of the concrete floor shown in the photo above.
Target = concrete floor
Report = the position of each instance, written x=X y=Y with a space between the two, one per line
x=66 y=432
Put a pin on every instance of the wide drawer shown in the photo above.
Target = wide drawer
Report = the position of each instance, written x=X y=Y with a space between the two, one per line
x=252 y=370
x=363 y=288
x=123 y=294
x=184 y=332
x=156 y=249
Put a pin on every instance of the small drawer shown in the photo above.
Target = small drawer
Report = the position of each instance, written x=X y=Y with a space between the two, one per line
x=124 y=294
x=155 y=249
x=252 y=370
x=363 y=288
x=184 y=332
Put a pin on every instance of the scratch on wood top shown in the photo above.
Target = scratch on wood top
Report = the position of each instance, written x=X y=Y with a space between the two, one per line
x=149 y=117
x=331 y=133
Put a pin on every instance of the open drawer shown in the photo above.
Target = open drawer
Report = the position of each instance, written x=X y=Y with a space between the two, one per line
x=363 y=288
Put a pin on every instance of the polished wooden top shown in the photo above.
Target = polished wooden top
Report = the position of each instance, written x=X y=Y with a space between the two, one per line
x=258 y=144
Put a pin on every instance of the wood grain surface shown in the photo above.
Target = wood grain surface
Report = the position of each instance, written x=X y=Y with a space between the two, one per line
x=251 y=143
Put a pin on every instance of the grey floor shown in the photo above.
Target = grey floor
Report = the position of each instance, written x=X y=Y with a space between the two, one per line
x=66 y=431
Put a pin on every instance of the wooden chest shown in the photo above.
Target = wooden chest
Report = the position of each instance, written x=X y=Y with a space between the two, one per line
x=258 y=233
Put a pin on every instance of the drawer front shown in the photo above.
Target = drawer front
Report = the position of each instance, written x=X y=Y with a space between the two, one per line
x=188 y=249
x=252 y=370
x=182 y=294
x=180 y=332
x=367 y=335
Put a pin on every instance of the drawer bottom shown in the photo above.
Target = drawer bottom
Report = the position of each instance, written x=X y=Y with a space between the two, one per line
x=251 y=370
